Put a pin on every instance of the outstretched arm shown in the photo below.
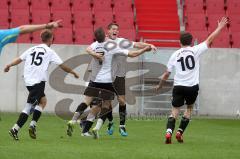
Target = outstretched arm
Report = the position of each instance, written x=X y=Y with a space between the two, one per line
x=215 y=33
x=136 y=53
x=13 y=63
x=164 y=77
x=24 y=29
x=141 y=45
x=68 y=70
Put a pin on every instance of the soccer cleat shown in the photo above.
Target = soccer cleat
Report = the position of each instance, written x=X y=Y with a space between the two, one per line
x=14 y=134
x=123 y=131
x=69 y=128
x=179 y=137
x=110 y=128
x=95 y=134
x=168 y=138
x=32 y=132
x=87 y=134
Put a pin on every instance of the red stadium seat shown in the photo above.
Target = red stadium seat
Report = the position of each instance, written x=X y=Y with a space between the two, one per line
x=60 y=5
x=128 y=34
x=125 y=20
x=40 y=16
x=196 y=22
x=233 y=6
x=234 y=22
x=19 y=17
x=4 y=4
x=215 y=7
x=193 y=6
x=83 y=19
x=123 y=5
x=222 y=41
x=19 y=4
x=235 y=39
x=4 y=16
x=65 y=16
x=212 y=20
x=39 y=5
x=63 y=36
x=102 y=19
x=103 y=5
x=199 y=36
x=81 y=5
x=83 y=36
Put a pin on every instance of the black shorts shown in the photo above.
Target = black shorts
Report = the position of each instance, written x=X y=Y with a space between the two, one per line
x=184 y=95
x=103 y=91
x=36 y=92
x=119 y=84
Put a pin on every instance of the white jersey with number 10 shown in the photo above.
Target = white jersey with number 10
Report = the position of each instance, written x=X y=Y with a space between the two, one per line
x=186 y=63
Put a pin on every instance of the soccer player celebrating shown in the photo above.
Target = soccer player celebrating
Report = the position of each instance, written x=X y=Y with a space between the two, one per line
x=120 y=73
x=37 y=60
x=11 y=35
x=101 y=78
x=186 y=80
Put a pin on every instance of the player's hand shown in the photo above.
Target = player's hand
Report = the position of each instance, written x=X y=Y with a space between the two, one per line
x=147 y=48
x=7 y=68
x=100 y=57
x=54 y=24
x=153 y=48
x=223 y=22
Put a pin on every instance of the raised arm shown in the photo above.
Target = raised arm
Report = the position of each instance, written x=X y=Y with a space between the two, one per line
x=141 y=45
x=68 y=70
x=136 y=53
x=24 y=29
x=13 y=63
x=215 y=33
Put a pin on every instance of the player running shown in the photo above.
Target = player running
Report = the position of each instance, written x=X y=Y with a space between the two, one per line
x=37 y=60
x=186 y=80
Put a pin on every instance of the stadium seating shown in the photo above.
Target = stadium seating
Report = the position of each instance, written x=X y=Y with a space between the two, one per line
x=81 y=5
x=102 y=19
x=65 y=16
x=212 y=11
x=123 y=6
x=125 y=20
x=40 y=16
x=235 y=39
x=83 y=19
x=4 y=16
x=103 y=5
x=57 y=5
x=20 y=17
x=63 y=36
x=39 y=5
x=83 y=36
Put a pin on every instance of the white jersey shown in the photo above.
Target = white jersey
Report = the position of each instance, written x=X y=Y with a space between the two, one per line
x=37 y=60
x=186 y=63
x=120 y=62
x=102 y=73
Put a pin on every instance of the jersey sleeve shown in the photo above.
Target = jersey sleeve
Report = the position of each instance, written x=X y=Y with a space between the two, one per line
x=171 y=63
x=200 y=48
x=93 y=46
x=24 y=55
x=56 y=59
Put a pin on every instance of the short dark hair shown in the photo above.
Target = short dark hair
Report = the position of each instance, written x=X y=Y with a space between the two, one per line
x=99 y=34
x=186 y=38
x=46 y=35
x=112 y=24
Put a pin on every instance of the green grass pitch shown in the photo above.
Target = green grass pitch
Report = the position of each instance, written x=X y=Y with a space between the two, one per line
x=204 y=139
